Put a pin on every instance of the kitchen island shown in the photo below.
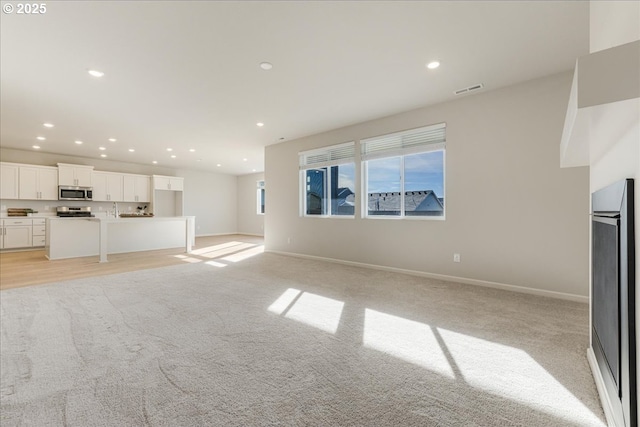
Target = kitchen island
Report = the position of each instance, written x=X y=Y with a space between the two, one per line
x=89 y=236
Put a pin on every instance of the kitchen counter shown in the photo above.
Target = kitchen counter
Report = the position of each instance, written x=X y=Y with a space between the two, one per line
x=90 y=236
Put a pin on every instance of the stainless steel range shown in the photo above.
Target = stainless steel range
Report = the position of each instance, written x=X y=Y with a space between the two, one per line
x=74 y=211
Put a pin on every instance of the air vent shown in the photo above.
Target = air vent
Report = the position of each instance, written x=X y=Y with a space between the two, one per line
x=469 y=89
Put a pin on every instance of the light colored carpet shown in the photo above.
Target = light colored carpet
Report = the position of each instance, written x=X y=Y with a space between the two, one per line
x=274 y=340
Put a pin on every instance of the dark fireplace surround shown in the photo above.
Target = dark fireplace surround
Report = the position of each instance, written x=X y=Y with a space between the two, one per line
x=613 y=335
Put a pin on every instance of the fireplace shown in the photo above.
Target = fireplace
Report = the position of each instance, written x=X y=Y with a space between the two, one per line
x=613 y=337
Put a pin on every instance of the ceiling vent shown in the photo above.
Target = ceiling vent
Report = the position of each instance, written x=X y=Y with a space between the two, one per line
x=469 y=89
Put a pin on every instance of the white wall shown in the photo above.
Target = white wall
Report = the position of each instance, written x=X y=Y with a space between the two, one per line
x=515 y=217
x=614 y=23
x=249 y=221
x=210 y=197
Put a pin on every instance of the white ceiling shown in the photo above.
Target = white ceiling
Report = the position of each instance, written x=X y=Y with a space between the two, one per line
x=184 y=74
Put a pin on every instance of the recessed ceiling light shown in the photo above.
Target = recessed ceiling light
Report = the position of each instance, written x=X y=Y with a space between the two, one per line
x=199 y=160
x=103 y=155
x=266 y=65
x=47 y=125
x=40 y=138
x=259 y=124
x=96 y=73
x=102 y=148
x=173 y=156
x=253 y=170
x=192 y=150
x=155 y=162
x=78 y=142
x=131 y=150
x=218 y=165
x=433 y=65
x=245 y=159
x=169 y=149
x=112 y=140
x=37 y=147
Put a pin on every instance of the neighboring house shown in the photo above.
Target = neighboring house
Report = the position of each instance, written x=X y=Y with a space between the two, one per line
x=417 y=203
x=342 y=199
x=345 y=202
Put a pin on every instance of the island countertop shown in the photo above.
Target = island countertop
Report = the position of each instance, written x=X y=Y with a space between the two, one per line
x=71 y=237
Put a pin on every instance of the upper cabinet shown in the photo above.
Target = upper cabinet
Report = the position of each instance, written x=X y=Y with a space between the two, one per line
x=28 y=182
x=33 y=182
x=75 y=175
x=107 y=187
x=8 y=181
x=173 y=183
x=136 y=188
x=38 y=183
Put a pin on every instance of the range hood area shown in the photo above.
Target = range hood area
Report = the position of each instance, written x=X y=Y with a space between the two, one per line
x=604 y=105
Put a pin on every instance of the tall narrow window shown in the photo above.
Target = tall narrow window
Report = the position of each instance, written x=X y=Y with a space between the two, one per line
x=405 y=173
x=260 y=198
x=328 y=181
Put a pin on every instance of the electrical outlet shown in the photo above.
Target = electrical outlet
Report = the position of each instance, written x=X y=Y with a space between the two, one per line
x=288 y=240
x=128 y=208
x=456 y=257
x=46 y=208
x=3 y=208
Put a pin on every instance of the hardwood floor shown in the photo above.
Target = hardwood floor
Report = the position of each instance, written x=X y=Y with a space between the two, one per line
x=27 y=268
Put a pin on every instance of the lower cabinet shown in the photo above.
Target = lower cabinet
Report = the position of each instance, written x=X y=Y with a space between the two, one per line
x=22 y=233
x=38 y=233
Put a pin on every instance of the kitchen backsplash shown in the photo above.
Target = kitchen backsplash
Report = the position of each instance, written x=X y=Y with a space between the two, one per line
x=49 y=206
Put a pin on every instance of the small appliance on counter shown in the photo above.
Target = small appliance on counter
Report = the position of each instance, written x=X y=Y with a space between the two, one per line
x=74 y=211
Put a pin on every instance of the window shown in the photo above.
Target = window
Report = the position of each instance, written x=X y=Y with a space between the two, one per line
x=260 y=198
x=405 y=173
x=328 y=181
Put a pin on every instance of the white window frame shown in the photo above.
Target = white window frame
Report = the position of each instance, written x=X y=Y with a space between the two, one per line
x=318 y=159
x=398 y=149
x=260 y=189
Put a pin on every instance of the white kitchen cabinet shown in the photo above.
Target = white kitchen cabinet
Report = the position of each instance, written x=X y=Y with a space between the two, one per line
x=38 y=232
x=136 y=188
x=8 y=181
x=75 y=175
x=16 y=233
x=38 y=183
x=107 y=187
x=173 y=183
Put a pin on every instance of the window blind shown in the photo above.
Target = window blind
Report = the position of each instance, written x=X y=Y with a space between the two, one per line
x=429 y=138
x=328 y=156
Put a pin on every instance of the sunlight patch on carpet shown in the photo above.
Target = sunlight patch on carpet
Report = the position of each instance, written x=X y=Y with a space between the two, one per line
x=512 y=373
x=215 y=264
x=317 y=311
x=210 y=252
x=241 y=256
x=284 y=301
x=405 y=339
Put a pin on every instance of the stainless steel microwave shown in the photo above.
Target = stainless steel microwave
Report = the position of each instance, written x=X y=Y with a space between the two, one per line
x=66 y=192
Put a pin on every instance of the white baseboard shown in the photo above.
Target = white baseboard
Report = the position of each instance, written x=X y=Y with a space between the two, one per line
x=604 y=397
x=486 y=284
x=229 y=234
